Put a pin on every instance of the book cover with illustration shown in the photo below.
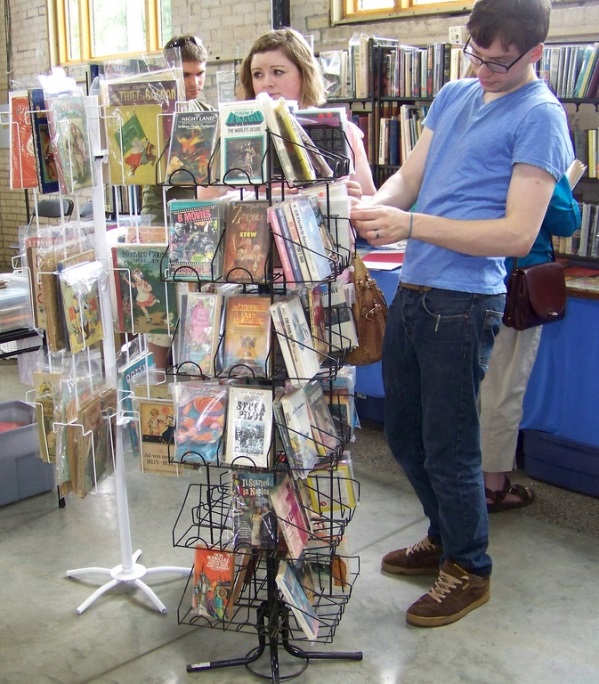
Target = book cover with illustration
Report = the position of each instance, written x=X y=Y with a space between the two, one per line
x=213 y=576
x=249 y=426
x=291 y=516
x=297 y=334
x=246 y=242
x=199 y=330
x=324 y=429
x=138 y=116
x=247 y=338
x=156 y=422
x=47 y=173
x=295 y=597
x=191 y=148
x=146 y=303
x=254 y=522
x=244 y=143
x=194 y=233
x=80 y=296
x=70 y=136
x=23 y=173
x=295 y=429
x=201 y=409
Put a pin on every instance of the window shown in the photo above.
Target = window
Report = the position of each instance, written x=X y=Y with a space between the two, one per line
x=362 y=10
x=84 y=30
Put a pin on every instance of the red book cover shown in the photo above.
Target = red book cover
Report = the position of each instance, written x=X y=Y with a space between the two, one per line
x=213 y=575
x=23 y=170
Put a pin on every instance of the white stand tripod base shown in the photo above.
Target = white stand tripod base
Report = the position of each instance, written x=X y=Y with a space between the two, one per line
x=121 y=576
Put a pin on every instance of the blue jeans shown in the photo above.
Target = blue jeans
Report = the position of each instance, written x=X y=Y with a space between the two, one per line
x=435 y=354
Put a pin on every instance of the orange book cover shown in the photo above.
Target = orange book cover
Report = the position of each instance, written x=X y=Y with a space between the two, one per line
x=247 y=241
x=247 y=335
x=23 y=170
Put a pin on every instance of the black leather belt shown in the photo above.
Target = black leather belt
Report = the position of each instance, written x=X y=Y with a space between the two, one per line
x=416 y=288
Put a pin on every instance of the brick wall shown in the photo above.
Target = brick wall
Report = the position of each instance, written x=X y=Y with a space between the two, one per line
x=228 y=29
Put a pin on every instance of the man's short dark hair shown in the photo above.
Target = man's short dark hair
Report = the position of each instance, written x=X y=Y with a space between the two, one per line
x=191 y=47
x=524 y=23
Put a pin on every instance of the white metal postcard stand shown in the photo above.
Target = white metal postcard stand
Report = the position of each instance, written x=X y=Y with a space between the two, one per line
x=129 y=571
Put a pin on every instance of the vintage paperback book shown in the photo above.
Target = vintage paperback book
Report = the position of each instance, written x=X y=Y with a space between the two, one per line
x=246 y=242
x=283 y=241
x=295 y=597
x=201 y=409
x=296 y=334
x=213 y=576
x=47 y=174
x=311 y=238
x=138 y=117
x=23 y=170
x=70 y=135
x=291 y=516
x=249 y=426
x=79 y=285
x=191 y=148
x=293 y=144
x=254 y=522
x=296 y=430
x=146 y=303
x=247 y=340
x=244 y=143
x=156 y=422
x=199 y=330
x=194 y=236
x=324 y=429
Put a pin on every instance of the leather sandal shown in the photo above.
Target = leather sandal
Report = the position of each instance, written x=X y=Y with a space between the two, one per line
x=525 y=495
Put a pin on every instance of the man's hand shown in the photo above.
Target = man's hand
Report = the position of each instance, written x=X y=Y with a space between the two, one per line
x=380 y=225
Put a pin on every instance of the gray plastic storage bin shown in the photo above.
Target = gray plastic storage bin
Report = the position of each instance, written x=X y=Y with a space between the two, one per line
x=22 y=472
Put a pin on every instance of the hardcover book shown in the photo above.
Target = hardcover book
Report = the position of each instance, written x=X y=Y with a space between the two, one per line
x=254 y=522
x=291 y=517
x=47 y=173
x=146 y=303
x=69 y=133
x=244 y=143
x=195 y=230
x=201 y=409
x=199 y=330
x=295 y=597
x=246 y=241
x=23 y=173
x=249 y=426
x=213 y=576
x=247 y=339
x=138 y=123
x=191 y=148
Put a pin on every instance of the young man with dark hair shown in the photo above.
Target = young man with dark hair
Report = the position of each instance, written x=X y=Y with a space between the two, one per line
x=481 y=174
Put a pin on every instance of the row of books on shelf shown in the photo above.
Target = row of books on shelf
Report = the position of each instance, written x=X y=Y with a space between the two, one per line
x=374 y=66
x=585 y=241
x=399 y=133
x=571 y=71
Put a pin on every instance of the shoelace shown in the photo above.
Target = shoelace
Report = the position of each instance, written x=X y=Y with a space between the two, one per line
x=422 y=545
x=443 y=586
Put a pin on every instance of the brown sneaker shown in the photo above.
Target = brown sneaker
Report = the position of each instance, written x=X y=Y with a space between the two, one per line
x=454 y=594
x=421 y=559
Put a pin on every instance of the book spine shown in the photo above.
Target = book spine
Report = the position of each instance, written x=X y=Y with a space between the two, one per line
x=307 y=245
x=294 y=244
x=282 y=245
x=289 y=332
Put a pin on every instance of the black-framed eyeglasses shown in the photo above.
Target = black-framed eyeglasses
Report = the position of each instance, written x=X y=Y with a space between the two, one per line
x=181 y=41
x=496 y=67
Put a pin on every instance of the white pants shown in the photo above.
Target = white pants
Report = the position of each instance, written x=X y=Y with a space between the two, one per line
x=502 y=393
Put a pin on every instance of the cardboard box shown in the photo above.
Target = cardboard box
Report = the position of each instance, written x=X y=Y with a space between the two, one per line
x=22 y=471
x=561 y=462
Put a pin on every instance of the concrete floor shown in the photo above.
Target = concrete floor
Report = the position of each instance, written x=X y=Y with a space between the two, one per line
x=541 y=624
